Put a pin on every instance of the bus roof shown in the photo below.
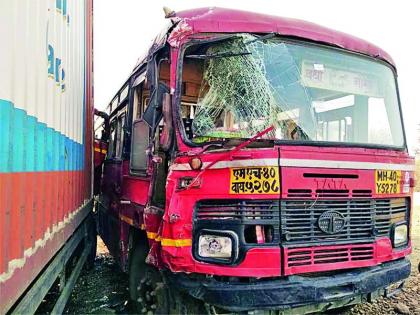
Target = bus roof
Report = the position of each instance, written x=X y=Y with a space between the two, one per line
x=220 y=20
x=213 y=19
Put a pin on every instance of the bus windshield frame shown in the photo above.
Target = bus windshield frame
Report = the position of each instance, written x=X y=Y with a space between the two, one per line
x=185 y=52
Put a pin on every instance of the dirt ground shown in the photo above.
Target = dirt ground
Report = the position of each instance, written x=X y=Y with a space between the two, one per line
x=104 y=290
x=408 y=301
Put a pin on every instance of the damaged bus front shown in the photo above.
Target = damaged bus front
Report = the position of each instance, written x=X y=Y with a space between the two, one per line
x=265 y=168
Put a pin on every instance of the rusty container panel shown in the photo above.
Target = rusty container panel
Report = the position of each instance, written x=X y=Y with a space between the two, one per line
x=45 y=134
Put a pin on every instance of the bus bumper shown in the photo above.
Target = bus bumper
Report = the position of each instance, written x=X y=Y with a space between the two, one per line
x=352 y=286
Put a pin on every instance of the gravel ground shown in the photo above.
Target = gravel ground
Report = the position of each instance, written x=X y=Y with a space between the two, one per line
x=104 y=290
x=408 y=301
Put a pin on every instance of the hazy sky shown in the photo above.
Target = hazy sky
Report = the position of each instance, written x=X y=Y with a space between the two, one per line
x=123 y=30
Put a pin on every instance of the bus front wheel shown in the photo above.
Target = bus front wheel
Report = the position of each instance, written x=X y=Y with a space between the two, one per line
x=148 y=292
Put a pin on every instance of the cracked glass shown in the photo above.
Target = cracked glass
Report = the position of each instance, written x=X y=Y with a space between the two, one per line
x=307 y=92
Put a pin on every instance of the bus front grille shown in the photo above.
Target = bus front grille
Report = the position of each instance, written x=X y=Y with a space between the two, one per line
x=365 y=219
x=239 y=210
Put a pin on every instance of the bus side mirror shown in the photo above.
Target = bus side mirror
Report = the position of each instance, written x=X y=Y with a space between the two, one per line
x=166 y=136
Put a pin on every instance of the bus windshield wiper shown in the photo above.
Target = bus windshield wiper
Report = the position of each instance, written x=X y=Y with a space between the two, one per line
x=226 y=54
x=260 y=38
x=229 y=153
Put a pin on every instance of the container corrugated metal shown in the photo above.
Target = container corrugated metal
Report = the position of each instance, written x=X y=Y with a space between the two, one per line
x=45 y=134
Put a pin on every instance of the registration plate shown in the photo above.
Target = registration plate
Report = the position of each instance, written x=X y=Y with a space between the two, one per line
x=254 y=180
x=387 y=182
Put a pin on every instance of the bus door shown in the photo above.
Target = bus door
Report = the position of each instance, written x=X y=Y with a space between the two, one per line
x=109 y=199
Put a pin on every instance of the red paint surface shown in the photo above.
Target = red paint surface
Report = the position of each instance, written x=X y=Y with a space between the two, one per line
x=259 y=262
x=382 y=252
x=215 y=185
x=22 y=277
x=56 y=195
x=135 y=189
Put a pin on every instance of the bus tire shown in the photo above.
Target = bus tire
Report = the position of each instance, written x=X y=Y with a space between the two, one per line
x=148 y=292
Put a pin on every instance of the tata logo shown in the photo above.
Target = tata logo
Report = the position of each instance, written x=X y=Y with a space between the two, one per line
x=331 y=222
x=330 y=183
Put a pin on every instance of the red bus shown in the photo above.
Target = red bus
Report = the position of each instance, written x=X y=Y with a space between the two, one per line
x=257 y=163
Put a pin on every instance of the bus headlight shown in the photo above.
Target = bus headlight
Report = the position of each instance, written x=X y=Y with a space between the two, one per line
x=400 y=235
x=217 y=246
x=213 y=246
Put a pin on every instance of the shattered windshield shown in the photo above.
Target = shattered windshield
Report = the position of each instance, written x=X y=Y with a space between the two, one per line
x=240 y=86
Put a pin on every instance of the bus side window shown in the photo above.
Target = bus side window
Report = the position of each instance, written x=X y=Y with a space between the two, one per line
x=111 y=146
x=140 y=129
x=139 y=146
x=141 y=96
x=119 y=136
x=137 y=91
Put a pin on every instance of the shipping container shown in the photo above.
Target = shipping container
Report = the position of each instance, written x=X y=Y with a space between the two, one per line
x=45 y=135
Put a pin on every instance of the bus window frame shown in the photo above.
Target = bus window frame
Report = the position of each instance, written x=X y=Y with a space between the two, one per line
x=218 y=37
x=150 y=74
x=140 y=171
x=140 y=107
x=121 y=135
